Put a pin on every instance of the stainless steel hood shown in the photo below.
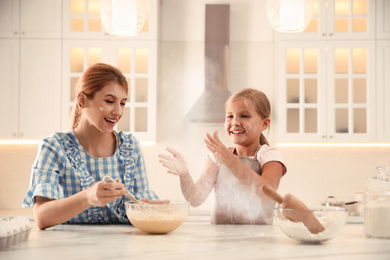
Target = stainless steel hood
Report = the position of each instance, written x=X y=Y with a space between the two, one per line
x=210 y=107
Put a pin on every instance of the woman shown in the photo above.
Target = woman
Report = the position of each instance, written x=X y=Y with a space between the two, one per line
x=66 y=180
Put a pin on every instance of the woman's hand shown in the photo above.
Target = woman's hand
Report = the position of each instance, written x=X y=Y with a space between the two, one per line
x=220 y=151
x=49 y=212
x=104 y=192
x=174 y=162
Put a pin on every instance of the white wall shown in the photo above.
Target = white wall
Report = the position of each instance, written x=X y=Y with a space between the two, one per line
x=313 y=172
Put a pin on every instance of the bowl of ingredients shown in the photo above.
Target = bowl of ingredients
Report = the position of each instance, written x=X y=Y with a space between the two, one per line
x=157 y=218
x=331 y=221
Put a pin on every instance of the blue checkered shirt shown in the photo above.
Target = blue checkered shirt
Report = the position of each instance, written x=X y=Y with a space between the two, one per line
x=63 y=168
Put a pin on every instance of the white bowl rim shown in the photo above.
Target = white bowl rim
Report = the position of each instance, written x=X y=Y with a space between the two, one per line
x=315 y=208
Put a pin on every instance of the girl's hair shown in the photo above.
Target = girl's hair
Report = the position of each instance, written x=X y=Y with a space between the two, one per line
x=94 y=79
x=261 y=103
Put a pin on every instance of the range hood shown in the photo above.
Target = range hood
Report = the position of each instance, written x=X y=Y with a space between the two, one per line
x=210 y=107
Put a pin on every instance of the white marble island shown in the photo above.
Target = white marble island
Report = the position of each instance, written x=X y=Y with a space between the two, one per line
x=192 y=240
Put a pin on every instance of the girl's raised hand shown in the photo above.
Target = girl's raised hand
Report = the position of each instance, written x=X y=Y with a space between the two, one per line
x=174 y=162
x=220 y=151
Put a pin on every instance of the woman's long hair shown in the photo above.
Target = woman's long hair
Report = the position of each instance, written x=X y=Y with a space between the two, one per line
x=94 y=79
x=261 y=103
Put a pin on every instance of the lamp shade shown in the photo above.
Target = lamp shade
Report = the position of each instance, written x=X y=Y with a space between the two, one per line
x=123 y=17
x=289 y=16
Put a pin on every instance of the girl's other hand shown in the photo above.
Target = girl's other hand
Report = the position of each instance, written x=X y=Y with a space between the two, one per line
x=220 y=151
x=174 y=162
x=104 y=192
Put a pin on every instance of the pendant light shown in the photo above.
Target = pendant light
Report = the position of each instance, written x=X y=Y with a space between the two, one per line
x=289 y=16
x=123 y=17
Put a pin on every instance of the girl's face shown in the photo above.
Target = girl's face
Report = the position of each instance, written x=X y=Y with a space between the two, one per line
x=106 y=107
x=243 y=124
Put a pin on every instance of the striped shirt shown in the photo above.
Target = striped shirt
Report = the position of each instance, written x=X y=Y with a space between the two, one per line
x=63 y=168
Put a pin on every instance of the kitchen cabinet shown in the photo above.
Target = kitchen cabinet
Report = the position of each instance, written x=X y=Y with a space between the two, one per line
x=327 y=91
x=85 y=44
x=383 y=94
x=338 y=20
x=82 y=21
x=383 y=20
x=326 y=83
x=30 y=79
x=30 y=19
x=30 y=86
x=40 y=88
x=9 y=87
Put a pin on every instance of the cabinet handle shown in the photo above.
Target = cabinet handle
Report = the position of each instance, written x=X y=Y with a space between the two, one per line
x=22 y=33
x=324 y=34
x=15 y=32
x=324 y=136
x=330 y=34
x=331 y=136
x=21 y=134
x=13 y=134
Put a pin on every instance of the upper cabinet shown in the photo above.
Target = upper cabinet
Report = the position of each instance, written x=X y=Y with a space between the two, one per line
x=383 y=90
x=30 y=18
x=86 y=43
x=46 y=45
x=326 y=91
x=338 y=19
x=383 y=20
x=30 y=68
x=326 y=76
x=9 y=87
x=82 y=21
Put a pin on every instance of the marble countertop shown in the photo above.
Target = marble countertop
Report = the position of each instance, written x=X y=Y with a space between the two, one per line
x=194 y=239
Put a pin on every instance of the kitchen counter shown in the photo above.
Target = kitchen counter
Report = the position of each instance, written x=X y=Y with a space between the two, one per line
x=195 y=239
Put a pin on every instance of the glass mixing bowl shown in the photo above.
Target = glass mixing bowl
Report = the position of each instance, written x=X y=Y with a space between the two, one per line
x=332 y=219
x=157 y=218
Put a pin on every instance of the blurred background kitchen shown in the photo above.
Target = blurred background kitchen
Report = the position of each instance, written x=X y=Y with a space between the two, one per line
x=329 y=87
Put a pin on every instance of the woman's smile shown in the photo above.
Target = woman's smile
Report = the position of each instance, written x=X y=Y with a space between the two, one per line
x=111 y=122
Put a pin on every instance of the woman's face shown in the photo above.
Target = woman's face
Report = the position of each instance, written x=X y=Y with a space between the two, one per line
x=243 y=124
x=106 y=107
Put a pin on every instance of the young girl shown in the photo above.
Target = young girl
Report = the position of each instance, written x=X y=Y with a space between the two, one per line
x=237 y=173
x=66 y=182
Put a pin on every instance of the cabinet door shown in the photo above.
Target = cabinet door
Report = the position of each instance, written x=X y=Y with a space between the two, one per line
x=383 y=19
x=302 y=91
x=351 y=19
x=351 y=91
x=9 y=87
x=317 y=28
x=81 y=20
x=338 y=19
x=40 y=88
x=40 y=18
x=327 y=91
x=9 y=18
x=383 y=94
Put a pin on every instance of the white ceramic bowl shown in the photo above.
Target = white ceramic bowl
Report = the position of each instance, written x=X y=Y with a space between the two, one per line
x=332 y=219
x=157 y=218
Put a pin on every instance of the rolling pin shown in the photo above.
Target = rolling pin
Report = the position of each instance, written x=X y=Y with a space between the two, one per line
x=289 y=201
